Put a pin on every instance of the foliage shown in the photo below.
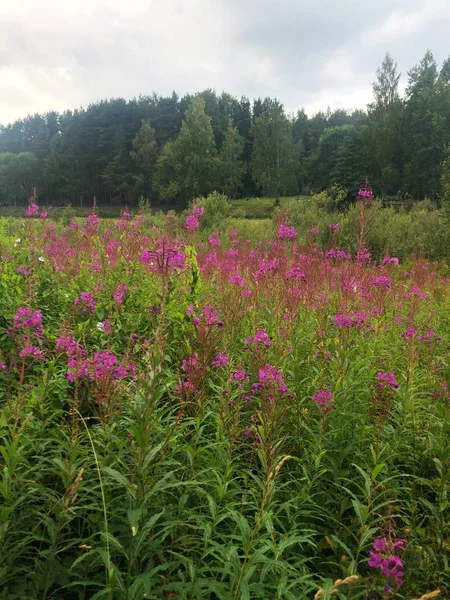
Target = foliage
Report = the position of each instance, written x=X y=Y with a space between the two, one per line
x=144 y=154
x=275 y=158
x=204 y=415
x=187 y=166
x=18 y=176
x=231 y=164
x=174 y=149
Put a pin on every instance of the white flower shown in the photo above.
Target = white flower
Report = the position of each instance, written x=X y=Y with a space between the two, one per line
x=100 y=326
x=41 y=259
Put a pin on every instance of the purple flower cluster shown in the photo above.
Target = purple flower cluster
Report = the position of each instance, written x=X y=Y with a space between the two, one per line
x=32 y=210
x=198 y=211
x=103 y=365
x=410 y=333
x=382 y=281
x=23 y=271
x=221 y=360
x=335 y=253
x=27 y=330
x=92 y=223
x=86 y=302
x=390 y=260
x=386 y=380
x=363 y=255
x=428 y=337
x=106 y=364
x=214 y=239
x=260 y=337
x=347 y=321
x=271 y=377
x=384 y=556
x=239 y=375
x=324 y=399
x=207 y=317
x=237 y=280
x=210 y=317
x=366 y=193
x=334 y=227
x=286 y=232
x=191 y=223
x=265 y=267
x=32 y=351
x=27 y=318
x=120 y=292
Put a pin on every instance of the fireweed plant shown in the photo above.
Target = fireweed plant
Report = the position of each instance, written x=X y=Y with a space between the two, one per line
x=188 y=413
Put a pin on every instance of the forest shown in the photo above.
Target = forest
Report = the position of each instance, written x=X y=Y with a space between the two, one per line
x=172 y=149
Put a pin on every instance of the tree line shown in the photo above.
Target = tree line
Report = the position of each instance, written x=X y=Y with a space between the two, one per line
x=172 y=149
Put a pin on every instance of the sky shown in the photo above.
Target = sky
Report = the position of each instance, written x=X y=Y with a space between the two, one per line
x=60 y=54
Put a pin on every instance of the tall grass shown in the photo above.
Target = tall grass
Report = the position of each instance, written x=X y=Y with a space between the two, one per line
x=161 y=433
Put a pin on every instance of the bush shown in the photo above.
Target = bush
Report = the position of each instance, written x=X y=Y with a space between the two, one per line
x=217 y=210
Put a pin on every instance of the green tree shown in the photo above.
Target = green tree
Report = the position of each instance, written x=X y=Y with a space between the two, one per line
x=322 y=163
x=445 y=185
x=274 y=161
x=187 y=167
x=18 y=176
x=423 y=135
x=144 y=154
x=231 y=165
x=385 y=128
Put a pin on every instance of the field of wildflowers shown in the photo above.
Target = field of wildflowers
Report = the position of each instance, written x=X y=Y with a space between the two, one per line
x=190 y=414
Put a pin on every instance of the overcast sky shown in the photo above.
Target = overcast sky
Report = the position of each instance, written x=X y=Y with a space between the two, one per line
x=58 y=54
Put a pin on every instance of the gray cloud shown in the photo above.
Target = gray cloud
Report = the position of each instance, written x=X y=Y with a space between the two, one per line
x=63 y=54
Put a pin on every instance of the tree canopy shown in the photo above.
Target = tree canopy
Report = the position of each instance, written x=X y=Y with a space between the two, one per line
x=171 y=149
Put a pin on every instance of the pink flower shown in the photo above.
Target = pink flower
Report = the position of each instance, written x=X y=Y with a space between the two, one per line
x=383 y=557
x=221 y=360
x=342 y=321
x=363 y=255
x=260 y=337
x=324 y=399
x=382 y=281
x=386 y=379
x=86 y=302
x=239 y=375
x=313 y=229
x=334 y=227
x=198 y=211
x=31 y=350
x=387 y=260
x=286 y=232
x=32 y=210
x=191 y=223
x=410 y=333
x=237 y=280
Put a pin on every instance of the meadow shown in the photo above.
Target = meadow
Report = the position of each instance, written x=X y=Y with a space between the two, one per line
x=204 y=406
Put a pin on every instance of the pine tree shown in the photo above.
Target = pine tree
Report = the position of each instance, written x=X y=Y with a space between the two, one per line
x=385 y=128
x=274 y=160
x=187 y=167
x=144 y=154
x=423 y=148
x=230 y=162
